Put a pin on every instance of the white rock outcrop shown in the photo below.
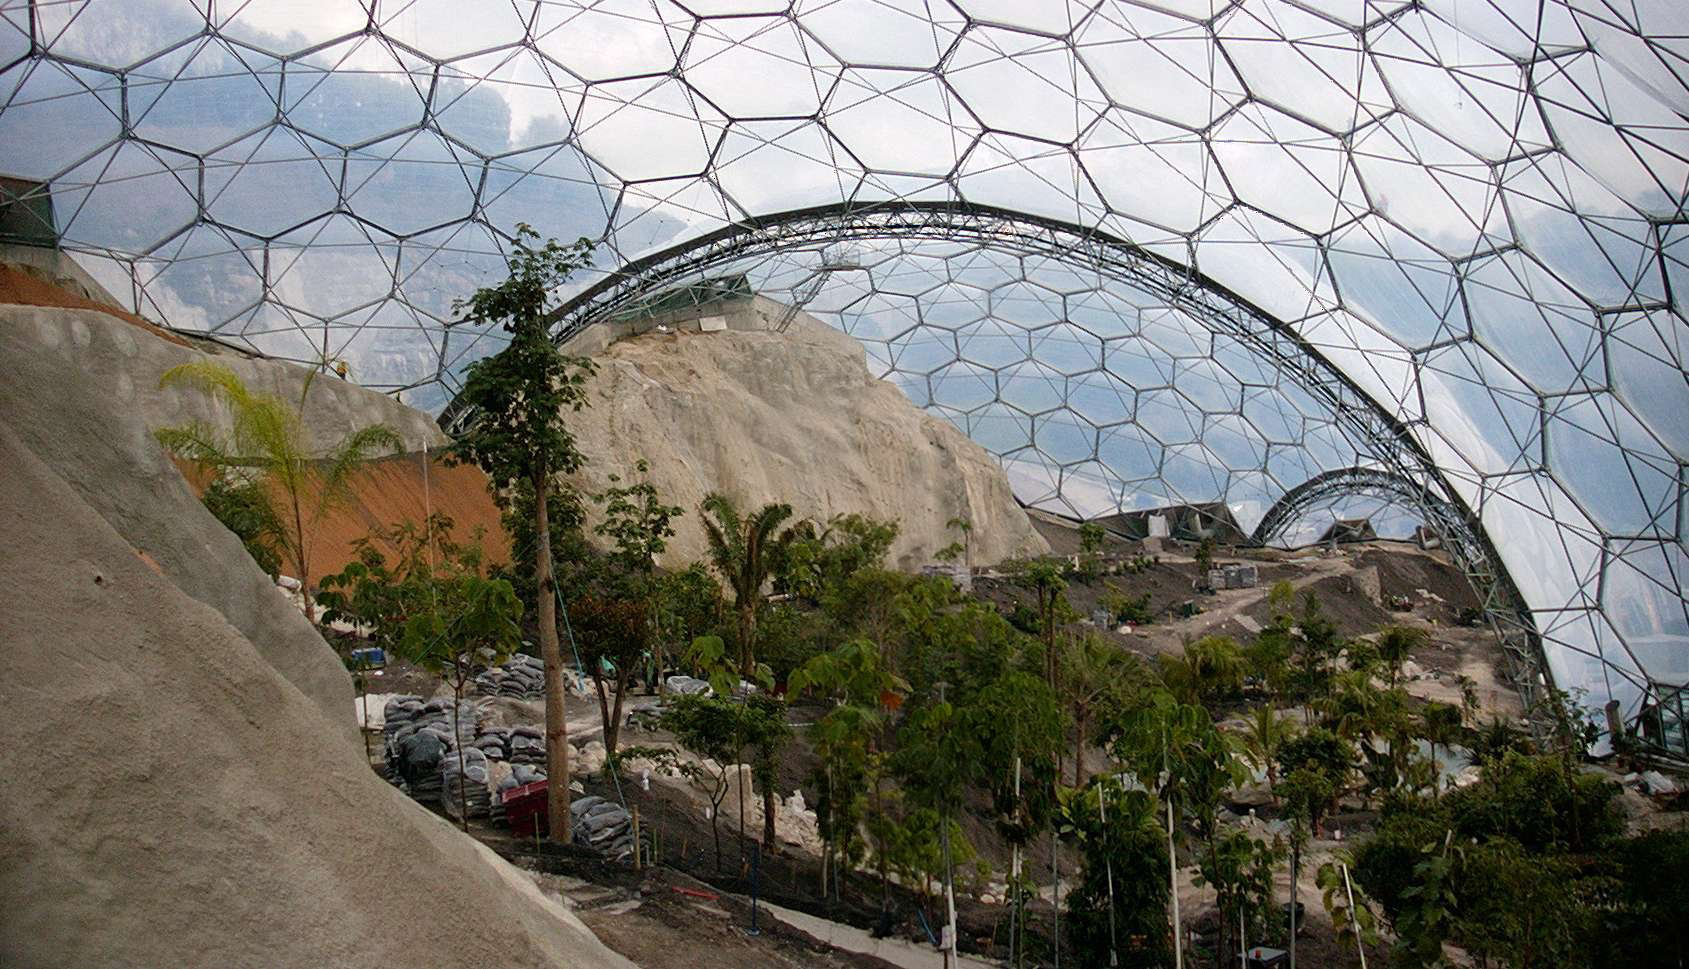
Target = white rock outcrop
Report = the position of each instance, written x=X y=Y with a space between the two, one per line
x=792 y=416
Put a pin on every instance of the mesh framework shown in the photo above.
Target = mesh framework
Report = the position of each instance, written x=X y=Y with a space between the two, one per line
x=1465 y=215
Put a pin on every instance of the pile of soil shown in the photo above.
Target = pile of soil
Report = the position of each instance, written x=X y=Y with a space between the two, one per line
x=172 y=800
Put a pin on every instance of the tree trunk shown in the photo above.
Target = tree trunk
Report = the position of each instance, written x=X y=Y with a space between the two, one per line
x=613 y=725
x=603 y=705
x=551 y=652
x=1080 y=715
x=457 y=738
x=300 y=562
x=769 y=844
x=747 y=631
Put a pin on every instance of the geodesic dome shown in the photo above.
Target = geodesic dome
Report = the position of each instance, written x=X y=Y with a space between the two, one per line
x=1170 y=251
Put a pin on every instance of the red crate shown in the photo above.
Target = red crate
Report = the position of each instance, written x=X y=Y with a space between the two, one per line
x=525 y=807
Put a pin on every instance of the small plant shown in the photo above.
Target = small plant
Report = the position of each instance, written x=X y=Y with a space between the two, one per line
x=243 y=506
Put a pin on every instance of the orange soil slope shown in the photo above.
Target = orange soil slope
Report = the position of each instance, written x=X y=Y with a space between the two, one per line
x=20 y=286
x=391 y=490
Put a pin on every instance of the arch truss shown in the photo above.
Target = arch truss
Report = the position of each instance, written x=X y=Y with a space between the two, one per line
x=1382 y=442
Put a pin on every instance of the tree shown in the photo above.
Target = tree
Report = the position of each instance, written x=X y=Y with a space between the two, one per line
x=1090 y=550
x=1204 y=557
x=243 y=506
x=1263 y=740
x=1117 y=914
x=864 y=691
x=614 y=636
x=1095 y=677
x=744 y=549
x=640 y=524
x=966 y=528
x=1396 y=644
x=467 y=622
x=1044 y=578
x=708 y=726
x=267 y=438
x=520 y=435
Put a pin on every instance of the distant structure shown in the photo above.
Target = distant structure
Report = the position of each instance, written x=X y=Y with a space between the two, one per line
x=1187 y=523
x=1345 y=530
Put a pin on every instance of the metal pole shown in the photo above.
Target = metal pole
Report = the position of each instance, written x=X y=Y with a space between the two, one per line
x=1354 y=925
x=1295 y=859
x=1015 y=942
x=756 y=882
x=948 y=941
x=1173 y=889
x=1108 y=868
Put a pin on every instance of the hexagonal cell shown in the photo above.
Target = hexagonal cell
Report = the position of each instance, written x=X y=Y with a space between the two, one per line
x=357 y=90
x=54 y=117
x=889 y=33
x=1395 y=282
x=1603 y=250
x=620 y=120
x=1100 y=398
x=899 y=121
x=963 y=387
x=203 y=279
x=1607 y=460
x=1429 y=186
x=1023 y=84
x=508 y=100
x=1064 y=437
x=202 y=95
x=555 y=190
x=1158 y=65
x=1526 y=317
x=409 y=183
x=1153 y=172
x=445 y=29
x=140 y=196
x=285 y=26
x=1288 y=169
x=333 y=266
x=771 y=166
x=754 y=67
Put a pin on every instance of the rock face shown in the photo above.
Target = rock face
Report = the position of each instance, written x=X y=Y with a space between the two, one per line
x=171 y=799
x=795 y=417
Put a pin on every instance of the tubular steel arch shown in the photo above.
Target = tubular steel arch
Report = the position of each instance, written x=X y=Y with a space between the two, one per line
x=1381 y=438
x=1362 y=482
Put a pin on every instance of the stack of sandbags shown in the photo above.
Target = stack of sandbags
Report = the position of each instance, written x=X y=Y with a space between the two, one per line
x=521 y=676
x=471 y=776
x=399 y=712
x=603 y=825
x=494 y=742
x=527 y=746
x=419 y=755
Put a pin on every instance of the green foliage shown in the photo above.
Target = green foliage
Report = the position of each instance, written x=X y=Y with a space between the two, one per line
x=578 y=563
x=1204 y=556
x=243 y=507
x=614 y=638
x=1211 y=669
x=745 y=549
x=708 y=726
x=1519 y=868
x=396 y=574
x=815 y=565
x=1396 y=644
x=1120 y=840
x=689 y=605
x=1240 y=870
x=1264 y=740
x=267 y=439
x=1017 y=718
x=638 y=523
x=523 y=393
x=1126 y=608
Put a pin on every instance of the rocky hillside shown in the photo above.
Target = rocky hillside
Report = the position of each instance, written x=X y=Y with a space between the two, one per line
x=796 y=417
x=184 y=787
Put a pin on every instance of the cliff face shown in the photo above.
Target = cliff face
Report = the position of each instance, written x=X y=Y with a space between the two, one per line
x=183 y=786
x=794 y=417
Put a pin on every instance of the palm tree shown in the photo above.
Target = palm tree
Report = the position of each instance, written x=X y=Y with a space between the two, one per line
x=744 y=548
x=1396 y=644
x=267 y=439
x=1266 y=736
